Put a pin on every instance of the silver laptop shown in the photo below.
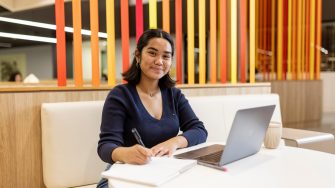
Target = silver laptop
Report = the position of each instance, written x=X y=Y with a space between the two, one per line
x=245 y=139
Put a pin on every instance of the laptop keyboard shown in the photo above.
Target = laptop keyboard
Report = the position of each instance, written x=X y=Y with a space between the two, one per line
x=213 y=157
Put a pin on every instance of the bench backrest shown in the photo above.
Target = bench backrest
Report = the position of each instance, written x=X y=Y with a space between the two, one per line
x=70 y=133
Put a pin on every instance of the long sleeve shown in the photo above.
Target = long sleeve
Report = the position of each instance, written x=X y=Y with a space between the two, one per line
x=193 y=129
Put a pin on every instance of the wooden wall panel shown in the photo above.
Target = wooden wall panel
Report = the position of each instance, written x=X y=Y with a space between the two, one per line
x=300 y=101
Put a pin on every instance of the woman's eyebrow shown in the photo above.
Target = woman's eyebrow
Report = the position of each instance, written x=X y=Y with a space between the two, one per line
x=152 y=48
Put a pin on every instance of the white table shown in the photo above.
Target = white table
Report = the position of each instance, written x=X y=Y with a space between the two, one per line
x=285 y=167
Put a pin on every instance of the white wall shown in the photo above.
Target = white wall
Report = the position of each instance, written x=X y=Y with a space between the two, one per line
x=38 y=59
x=328 y=81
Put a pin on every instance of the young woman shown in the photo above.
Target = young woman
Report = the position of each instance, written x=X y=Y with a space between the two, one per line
x=150 y=103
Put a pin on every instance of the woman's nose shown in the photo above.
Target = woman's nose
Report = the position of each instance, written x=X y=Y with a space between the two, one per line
x=159 y=60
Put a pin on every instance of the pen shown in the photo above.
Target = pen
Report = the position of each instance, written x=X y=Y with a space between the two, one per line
x=137 y=136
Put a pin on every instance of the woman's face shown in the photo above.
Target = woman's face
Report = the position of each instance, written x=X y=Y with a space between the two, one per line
x=155 y=58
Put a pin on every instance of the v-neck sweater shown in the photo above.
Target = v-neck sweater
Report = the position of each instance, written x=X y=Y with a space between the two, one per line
x=124 y=110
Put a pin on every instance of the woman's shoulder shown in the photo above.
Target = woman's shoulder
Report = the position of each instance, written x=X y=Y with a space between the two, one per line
x=121 y=90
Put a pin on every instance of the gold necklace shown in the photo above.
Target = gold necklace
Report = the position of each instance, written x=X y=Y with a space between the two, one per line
x=151 y=94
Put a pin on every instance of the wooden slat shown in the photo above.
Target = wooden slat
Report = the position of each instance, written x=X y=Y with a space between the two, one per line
x=139 y=18
x=233 y=43
x=61 y=44
x=179 y=41
x=190 y=41
x=202 y=41
x=110 y=24
x=94 y=21
x=252 y=35
x=152 y=14
x=213 y=42
x=312 y=39
x=166 y=15
x=77 y=43
x=243 y=40
x=223 y=40
x=280 y=40
x=125 y=35
x=318 y=39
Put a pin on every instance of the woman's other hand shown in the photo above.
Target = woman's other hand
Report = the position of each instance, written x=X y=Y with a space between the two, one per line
x=136 y=154
x=169 y=147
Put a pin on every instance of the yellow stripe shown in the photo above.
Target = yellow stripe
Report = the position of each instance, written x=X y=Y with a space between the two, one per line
x=312 y=39
x=273 y=34
x=202 y=42
x=110 y=19
x=190 y=43
x=318 y=43
x=289 y=41
x=299 y=39
x=153 y=14
x=252 y=38
x=280 y=41
x=233 y=44
x=303 y=41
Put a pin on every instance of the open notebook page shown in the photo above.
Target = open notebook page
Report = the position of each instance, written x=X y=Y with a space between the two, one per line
x=156 y=172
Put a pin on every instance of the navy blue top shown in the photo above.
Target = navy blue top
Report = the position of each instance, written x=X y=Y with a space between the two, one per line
x=123 y=110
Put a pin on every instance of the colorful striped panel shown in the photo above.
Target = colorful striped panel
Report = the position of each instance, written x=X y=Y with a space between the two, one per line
x=61 y=44
x=152 y=14
x=312 y=39
x=252 y=38
x=166 y=15
x=77 y=43
x=202 y=42
x=280 y=40
x=110 y=23
x=223 y=40
x=233 y=44
x=190 y=41
x=213 y=49
x=318 y=38
x=94 y=20
x=139 y=18
x=125 y=35
x=179 y=41
x=243 y=39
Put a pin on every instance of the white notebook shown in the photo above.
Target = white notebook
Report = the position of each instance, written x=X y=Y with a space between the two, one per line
x=156 y=172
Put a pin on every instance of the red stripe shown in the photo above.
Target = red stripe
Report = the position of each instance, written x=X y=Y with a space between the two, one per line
x=61 y=45
x=125 y=35
x=179 y=42
x=223 y=41
x=243 y=39
x=139 y=19
x=285 y=39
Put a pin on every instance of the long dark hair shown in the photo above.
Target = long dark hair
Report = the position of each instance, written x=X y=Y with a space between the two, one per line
x=133 y=74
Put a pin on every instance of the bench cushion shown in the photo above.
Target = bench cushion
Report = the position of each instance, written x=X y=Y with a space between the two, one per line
x=70 y=134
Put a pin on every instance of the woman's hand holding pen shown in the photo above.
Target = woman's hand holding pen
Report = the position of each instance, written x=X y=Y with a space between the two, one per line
x=169 y=147
x=136 y=154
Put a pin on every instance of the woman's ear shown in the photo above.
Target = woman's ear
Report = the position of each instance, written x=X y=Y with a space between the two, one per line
x=137 y=55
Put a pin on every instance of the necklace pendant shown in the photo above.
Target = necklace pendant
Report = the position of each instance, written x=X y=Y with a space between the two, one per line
x=151 y=94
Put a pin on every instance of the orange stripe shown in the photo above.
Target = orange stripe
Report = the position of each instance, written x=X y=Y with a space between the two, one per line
x=318 y=38
x=166 y=15
x=95 y=42
x=61 y=45
x=223 y=41
x=213 y=42
x=179 y=40
x=243 y=39
x=294 y=40
x=77 y=43
x=307 y=31
x=125 y=35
